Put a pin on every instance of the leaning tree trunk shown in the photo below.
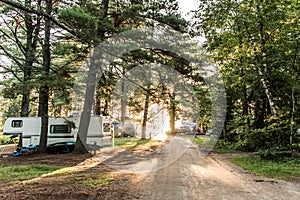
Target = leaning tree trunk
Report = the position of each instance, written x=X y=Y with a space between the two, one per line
x=84 y=123
x=94 y=65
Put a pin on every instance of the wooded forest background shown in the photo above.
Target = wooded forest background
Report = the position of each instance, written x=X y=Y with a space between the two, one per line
x=254 y=43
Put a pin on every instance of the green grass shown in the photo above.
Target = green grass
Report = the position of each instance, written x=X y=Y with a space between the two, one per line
x=198 y=140
x=134 y=142
x=24 y=172
x=100 y=179
x=289 y=169
x=225 y=150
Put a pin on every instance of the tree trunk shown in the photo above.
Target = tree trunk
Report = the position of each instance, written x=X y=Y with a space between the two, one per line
x=80 y=148
x=146 y=108
x=245 y=99
x=32 y=34
x=88 y=105
x=90 y=92
x=268 y=93
x=44 y=89
x=263 y=55
x=25 y=102
x=98 y=105
x=123 y=103
x=292 y=117
x=172 y=112
x=105 y=110
x=260 y=109
x=264 y=60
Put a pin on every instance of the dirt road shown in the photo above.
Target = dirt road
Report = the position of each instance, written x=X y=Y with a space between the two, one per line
x=174 y=171
x=193 y=178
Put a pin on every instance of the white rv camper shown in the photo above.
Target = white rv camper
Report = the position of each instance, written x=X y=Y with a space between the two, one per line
x=29 y=130
x=99 y=131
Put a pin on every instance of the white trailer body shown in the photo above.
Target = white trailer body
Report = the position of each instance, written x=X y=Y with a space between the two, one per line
x=29 y=128
x=14 y=126
x=99 y=131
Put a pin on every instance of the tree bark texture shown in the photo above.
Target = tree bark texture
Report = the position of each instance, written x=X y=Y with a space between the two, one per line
x=44 y=89
x=146 y=108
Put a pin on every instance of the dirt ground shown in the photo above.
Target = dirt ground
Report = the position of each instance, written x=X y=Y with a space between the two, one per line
x=169 y=171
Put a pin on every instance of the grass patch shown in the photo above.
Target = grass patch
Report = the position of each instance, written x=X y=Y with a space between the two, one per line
x=134 y=142
x=285 y=169
x=223 y=146
x=24 y=172
x=225 y=150
x=198 y=140
x=63 y=171
x=101 y=179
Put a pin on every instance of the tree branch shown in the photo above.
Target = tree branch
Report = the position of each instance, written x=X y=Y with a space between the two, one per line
x=39 y=13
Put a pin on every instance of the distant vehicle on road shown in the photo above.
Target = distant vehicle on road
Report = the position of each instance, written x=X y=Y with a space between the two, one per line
x=182 y=129
x=127 y=130
x=191 y=127
x=187 y=128
x=117 y=129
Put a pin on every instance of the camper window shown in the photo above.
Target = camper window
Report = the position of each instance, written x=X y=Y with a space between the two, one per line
x=17 y=123
x=106 y=127
x=60 y=129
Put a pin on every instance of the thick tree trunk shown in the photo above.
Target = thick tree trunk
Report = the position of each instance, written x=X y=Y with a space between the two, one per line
x=91 y=82
x=90 y=92
x=25 y=102
x=80 y=148
x=44 y=89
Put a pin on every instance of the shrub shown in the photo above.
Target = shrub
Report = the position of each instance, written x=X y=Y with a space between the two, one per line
x=4 y=140
x=245 y=136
